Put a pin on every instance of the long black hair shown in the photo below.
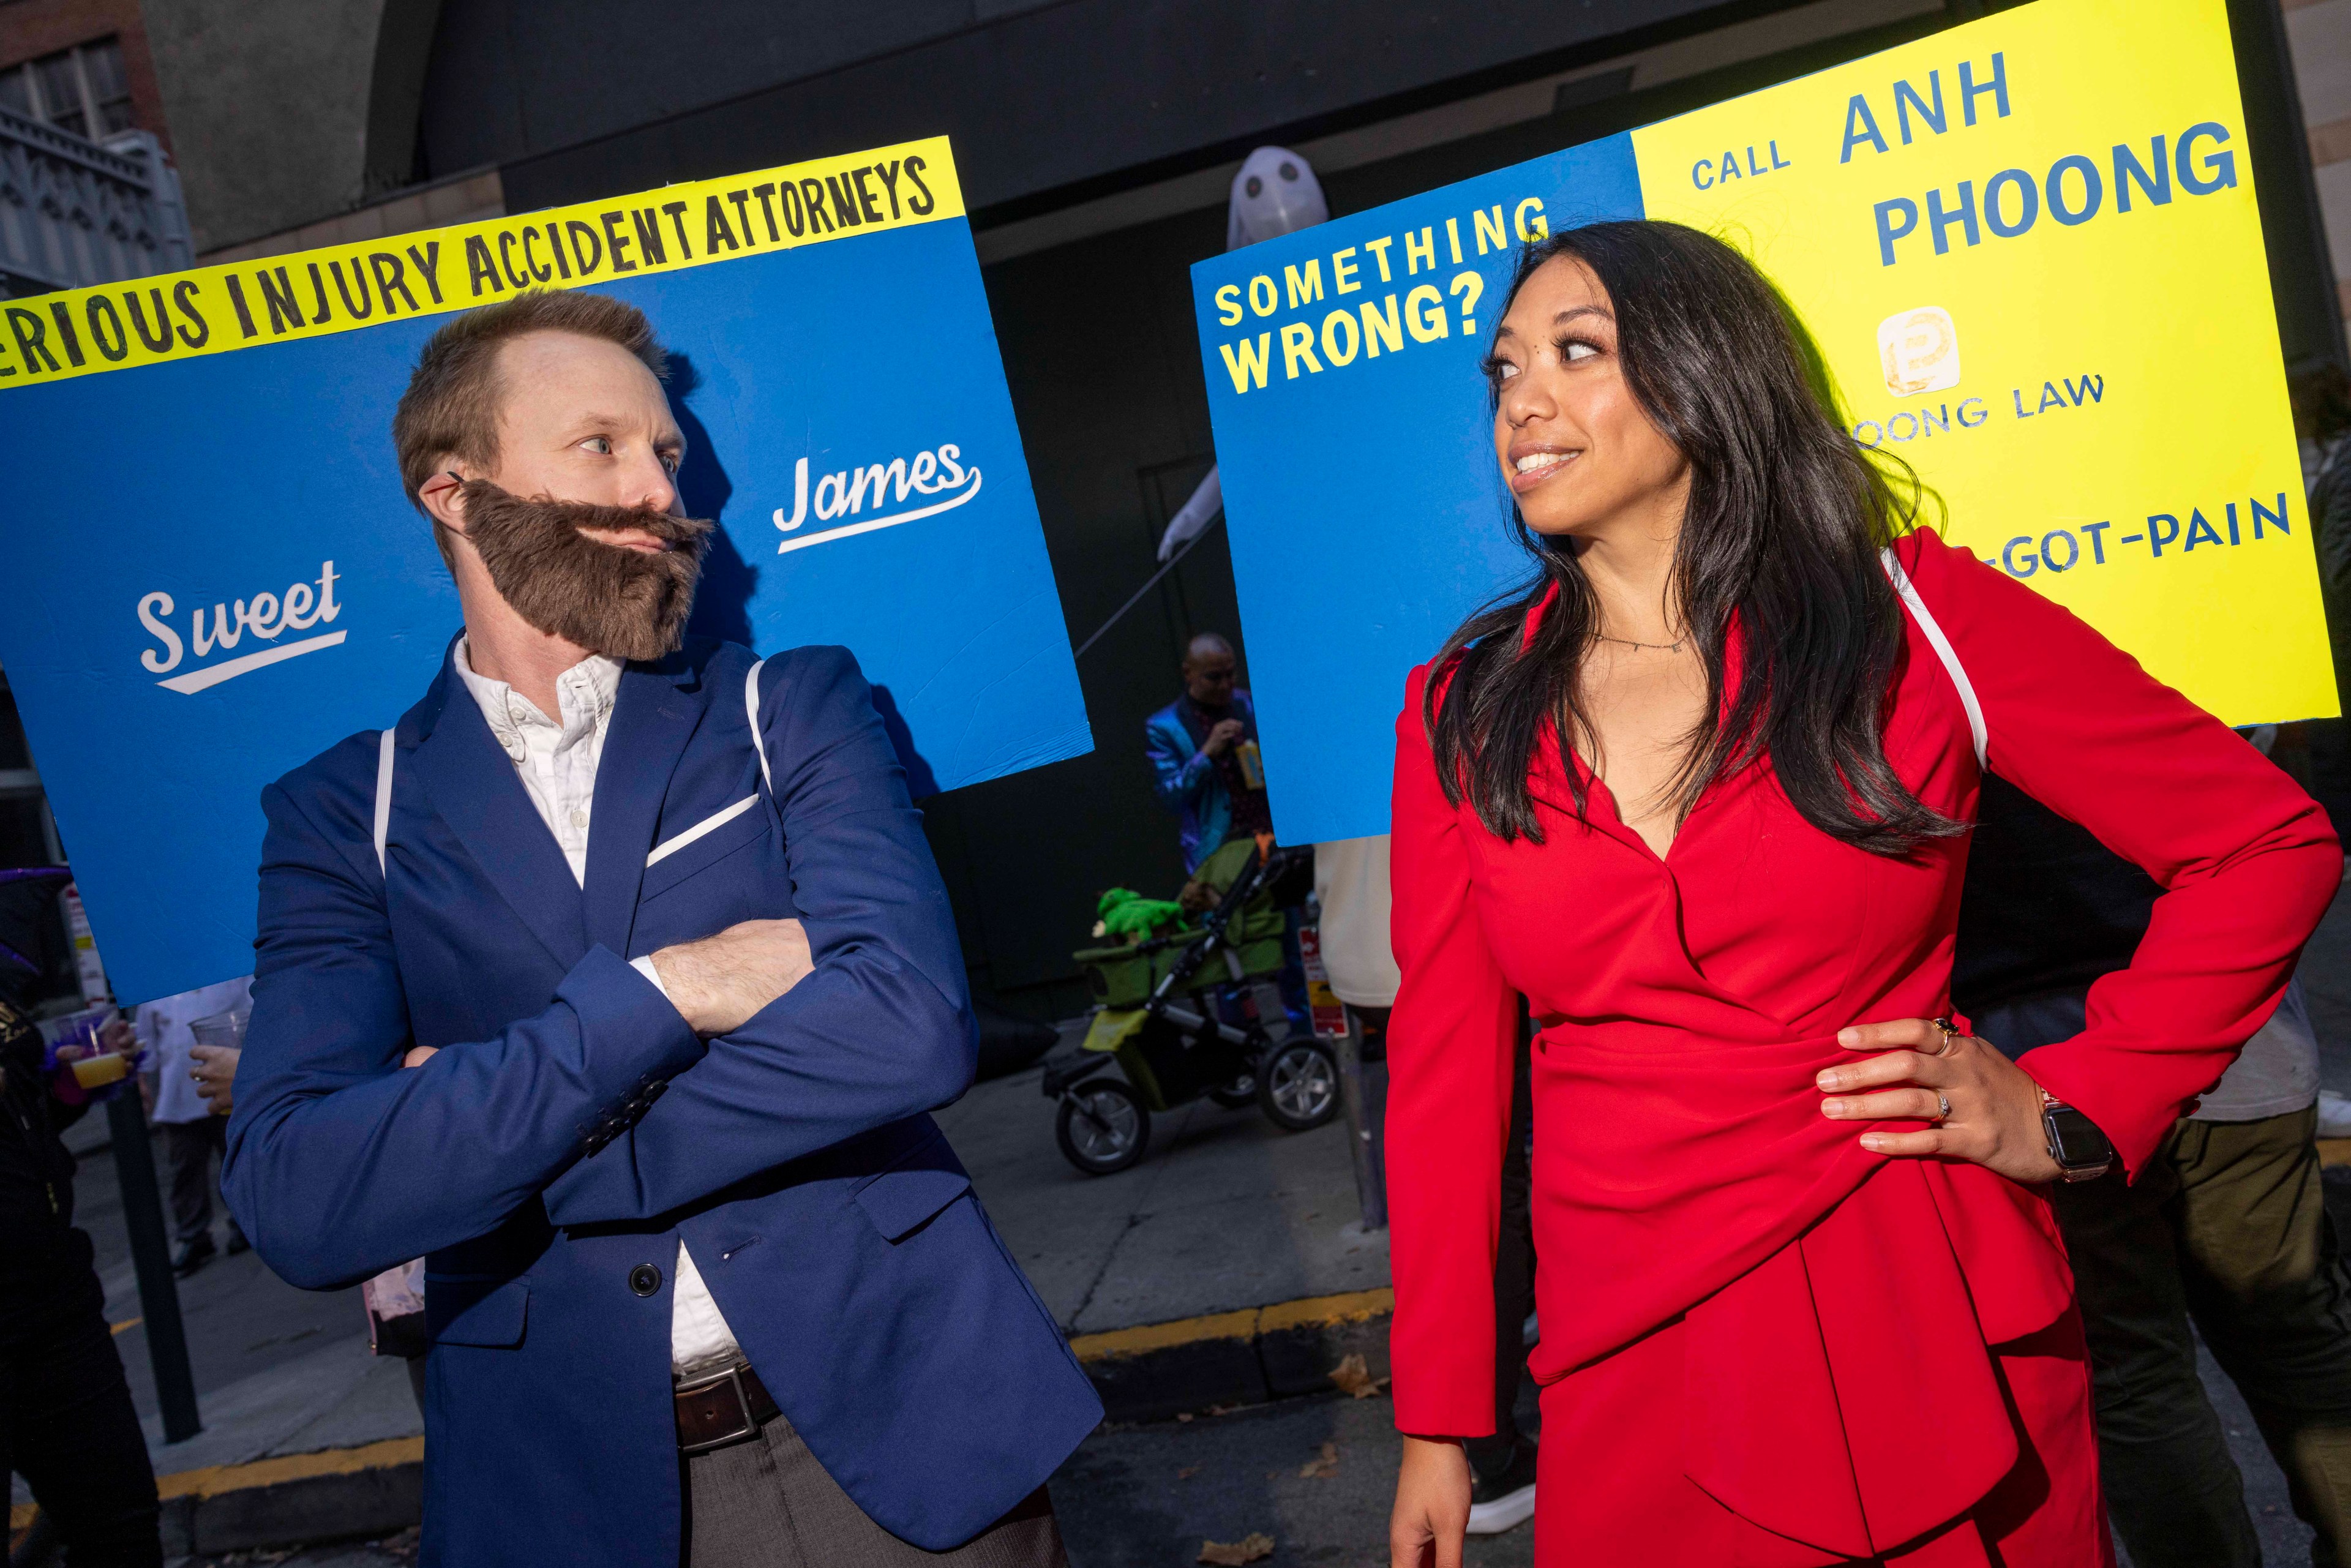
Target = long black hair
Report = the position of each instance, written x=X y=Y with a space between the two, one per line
x=1786 y=521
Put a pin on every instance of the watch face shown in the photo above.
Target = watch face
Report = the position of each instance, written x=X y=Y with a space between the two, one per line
x=2074 y=1140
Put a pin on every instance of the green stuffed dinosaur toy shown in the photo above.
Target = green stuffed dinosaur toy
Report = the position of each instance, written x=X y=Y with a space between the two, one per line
x=1131 y=917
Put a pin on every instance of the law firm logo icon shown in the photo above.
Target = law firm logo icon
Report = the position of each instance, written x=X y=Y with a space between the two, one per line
x=1919 y=350
x=265 y=617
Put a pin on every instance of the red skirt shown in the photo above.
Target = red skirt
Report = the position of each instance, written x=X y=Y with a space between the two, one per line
x=1613 y=1491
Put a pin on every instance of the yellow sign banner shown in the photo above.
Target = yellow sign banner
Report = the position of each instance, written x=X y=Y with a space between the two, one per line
x=340 y=288
x=2029 y=254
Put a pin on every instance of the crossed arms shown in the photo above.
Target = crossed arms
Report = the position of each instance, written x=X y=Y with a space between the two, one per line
x=340 y=1164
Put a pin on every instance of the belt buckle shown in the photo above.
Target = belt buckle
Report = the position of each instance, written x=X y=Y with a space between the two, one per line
x=733 y=1378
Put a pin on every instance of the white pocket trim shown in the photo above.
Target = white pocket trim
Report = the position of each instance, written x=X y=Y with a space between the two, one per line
x=382 y=800
x=1948 y=655
x=711 y=823
x=751 y=717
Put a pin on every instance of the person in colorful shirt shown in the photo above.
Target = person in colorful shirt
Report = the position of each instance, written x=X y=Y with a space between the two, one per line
x=1203 y=750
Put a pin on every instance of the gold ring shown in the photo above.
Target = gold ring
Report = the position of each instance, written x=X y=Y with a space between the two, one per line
x=1943 y=1106
x=1950 y=1035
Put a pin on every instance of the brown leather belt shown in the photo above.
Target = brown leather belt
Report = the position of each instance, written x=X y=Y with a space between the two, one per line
x=721 y=1408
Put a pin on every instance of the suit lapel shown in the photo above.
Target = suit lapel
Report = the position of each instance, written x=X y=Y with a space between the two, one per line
x=473 y=786
x=658 y=708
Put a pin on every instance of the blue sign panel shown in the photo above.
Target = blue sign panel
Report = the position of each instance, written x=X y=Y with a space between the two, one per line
x=1355 y=443
x=215 y=573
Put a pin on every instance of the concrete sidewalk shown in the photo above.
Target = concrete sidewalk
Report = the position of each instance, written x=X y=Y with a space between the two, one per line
x=1229 y=1267
x=1225 y=1211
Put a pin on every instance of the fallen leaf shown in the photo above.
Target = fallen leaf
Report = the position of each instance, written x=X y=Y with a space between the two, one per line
x=1222 y=1409
x=1183 y=1415
x=1323 y=1468
x=1187 y=1472
x=1353 y=1376
x=1254 y=1547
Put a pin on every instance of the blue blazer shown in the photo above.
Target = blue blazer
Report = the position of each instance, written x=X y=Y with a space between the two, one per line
x=572 y=1129
x=1185 y=779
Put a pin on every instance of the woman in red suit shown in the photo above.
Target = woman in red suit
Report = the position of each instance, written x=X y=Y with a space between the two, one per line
x=1803 y=1300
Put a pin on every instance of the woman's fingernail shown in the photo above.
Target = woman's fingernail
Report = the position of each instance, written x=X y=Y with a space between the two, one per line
x=1848 y=1037
x=1832 y=1107
x=1830 y=1080
x=1871 y=1140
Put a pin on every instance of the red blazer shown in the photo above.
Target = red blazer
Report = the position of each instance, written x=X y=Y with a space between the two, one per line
x=1682 y=1167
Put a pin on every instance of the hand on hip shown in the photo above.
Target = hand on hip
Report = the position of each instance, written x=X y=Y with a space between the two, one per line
x=1977 y=1104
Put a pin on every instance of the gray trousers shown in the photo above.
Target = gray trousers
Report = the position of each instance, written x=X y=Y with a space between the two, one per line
x=766 y=1503
x=189 y=1150
x=2227 y=1228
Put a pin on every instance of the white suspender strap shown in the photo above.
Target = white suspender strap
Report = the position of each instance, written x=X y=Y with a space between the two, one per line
x=1944 y=651
x=751 y=711
x=383 y=798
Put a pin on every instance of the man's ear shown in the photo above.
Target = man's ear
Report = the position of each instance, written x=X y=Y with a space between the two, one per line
x=444 y=500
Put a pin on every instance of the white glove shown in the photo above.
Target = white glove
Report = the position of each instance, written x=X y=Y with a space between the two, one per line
x=1192 y=519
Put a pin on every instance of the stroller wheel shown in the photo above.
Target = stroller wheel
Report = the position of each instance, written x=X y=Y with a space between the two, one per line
x=1240 y=1093
x=1298 y=1085
x=1102 y=1126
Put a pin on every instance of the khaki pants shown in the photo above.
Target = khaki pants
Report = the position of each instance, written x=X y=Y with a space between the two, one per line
x=2227 y=1229
x=766 y=1503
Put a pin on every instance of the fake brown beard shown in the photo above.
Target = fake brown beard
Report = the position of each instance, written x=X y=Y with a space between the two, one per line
x=627 y=604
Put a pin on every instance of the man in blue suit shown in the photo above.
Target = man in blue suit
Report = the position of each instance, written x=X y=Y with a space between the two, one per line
x=1197 y=746
x=616 y=981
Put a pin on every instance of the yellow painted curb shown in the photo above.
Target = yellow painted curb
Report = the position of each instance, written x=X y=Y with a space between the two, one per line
x=1160 y=1336
x=1354 y=1307
x=214 y=1480
x=1317 y=1312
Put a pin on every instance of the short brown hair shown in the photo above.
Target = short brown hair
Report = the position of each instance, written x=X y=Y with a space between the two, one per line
x=452 y=404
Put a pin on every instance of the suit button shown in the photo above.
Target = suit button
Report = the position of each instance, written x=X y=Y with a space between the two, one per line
x=644 y=1279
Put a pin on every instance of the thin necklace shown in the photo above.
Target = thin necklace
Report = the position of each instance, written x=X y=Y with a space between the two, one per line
x=1673 y=647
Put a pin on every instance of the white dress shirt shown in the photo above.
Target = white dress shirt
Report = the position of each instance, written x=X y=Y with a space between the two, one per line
x=557 y=762
x=164 y=1027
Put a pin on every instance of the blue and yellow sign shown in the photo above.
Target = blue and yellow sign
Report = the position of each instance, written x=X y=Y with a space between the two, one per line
x=2029 y=253
x=215 y=573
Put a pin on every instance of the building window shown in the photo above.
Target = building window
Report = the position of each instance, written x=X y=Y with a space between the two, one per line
x=83 y=89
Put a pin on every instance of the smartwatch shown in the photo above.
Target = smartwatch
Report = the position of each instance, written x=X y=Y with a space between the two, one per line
x=2082 y=1152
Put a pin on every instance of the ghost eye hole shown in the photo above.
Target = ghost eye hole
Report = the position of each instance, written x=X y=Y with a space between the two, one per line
x=1289 y=171
x=1256 y=186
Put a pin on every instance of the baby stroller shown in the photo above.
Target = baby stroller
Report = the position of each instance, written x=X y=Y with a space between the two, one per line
x=1159 y=1021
